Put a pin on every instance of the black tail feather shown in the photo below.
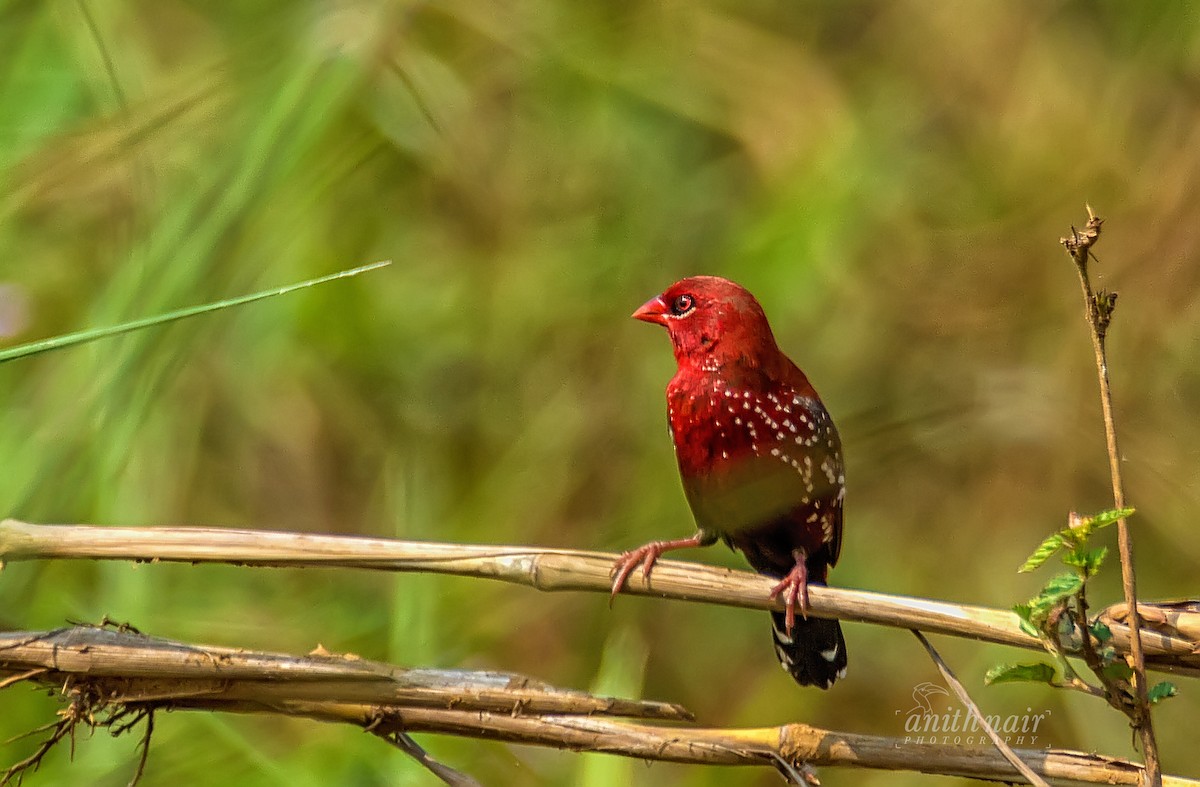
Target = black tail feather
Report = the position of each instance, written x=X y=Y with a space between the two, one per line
x=815 y=654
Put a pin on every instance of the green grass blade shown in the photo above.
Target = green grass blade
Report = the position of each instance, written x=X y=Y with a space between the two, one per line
x=81 y=337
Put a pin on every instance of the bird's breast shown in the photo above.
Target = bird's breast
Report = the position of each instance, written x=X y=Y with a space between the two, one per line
x=749 y=456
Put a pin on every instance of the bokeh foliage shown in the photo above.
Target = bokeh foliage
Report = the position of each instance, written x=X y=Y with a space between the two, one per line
x=890 y=178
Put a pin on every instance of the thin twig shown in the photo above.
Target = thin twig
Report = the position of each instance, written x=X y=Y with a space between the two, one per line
x=144 y=745
x=1053 y=643
x=544 y=569
x=1098 y=313
x=797 y=773
x=445 y=773
x=953 y=682
x=33 y=673
x=62 y=728
x=1116 y=692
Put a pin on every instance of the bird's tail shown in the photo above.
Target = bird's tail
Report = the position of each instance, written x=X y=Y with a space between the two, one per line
x=815 y=653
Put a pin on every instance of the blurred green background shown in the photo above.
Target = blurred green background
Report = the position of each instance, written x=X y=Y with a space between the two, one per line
x=890 y=178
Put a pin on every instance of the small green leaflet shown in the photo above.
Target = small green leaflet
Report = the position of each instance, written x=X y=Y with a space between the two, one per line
x=1073 y=536
x=1010 y=673
x=1102 y=519
x=1086 y=560
x=1042 y=553
x=1025 y=615
x=1160 y=691
x=1056 y=590
x=1101 y=631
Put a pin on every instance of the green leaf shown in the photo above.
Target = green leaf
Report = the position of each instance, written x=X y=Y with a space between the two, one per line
x=1025 y=615
x=1043 y=553
x=91 y=335
x=1062 y=586
x=1029 y=628
x=1117 y=670
x=1084 y=529
x=1054 y=593
x=1106 y=518
x=1160 y=691
x=1088 y=561
x=1009 y=673
x=1101 y=631
x=1075 y=536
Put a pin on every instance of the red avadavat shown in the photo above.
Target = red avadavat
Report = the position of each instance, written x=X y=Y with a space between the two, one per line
x=760 y=459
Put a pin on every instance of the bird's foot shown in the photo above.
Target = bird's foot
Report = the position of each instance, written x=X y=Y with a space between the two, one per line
x=646 y=556
x=794 y=588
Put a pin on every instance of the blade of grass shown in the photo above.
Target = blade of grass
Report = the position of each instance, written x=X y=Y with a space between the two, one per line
x=622 y=670
x=91 y=335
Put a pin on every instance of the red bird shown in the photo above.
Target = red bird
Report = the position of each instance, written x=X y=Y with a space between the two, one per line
x=760 y=459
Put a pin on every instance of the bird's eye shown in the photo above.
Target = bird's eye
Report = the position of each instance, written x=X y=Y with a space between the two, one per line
x=682 y=305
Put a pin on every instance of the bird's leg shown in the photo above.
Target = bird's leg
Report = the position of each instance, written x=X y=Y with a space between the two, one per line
x=795 y=586
x=648 y=555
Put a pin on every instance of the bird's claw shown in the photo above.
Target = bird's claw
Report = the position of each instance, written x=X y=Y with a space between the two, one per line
x=794 y=588
x=646 y=555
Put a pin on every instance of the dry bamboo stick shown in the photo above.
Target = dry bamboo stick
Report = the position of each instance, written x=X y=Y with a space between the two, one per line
x=131 y=667
x=128 y=673
x=544 y=569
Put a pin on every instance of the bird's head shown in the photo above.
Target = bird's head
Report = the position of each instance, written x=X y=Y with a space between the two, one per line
x=711 y=322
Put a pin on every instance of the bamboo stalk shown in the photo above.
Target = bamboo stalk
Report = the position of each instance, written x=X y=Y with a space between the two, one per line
x=135 y=668
x=758 y=746
x=544 y=569
x=130 y=674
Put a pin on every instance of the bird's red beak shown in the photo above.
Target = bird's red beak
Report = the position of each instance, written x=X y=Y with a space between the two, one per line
x=653 y=310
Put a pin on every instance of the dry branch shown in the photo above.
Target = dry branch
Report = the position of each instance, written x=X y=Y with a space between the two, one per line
x=790 y=742
x=135 y=668
x=132 y=675
x=544 y=569
x=1098 y=310
x=956 y=686
x=1180 y=619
